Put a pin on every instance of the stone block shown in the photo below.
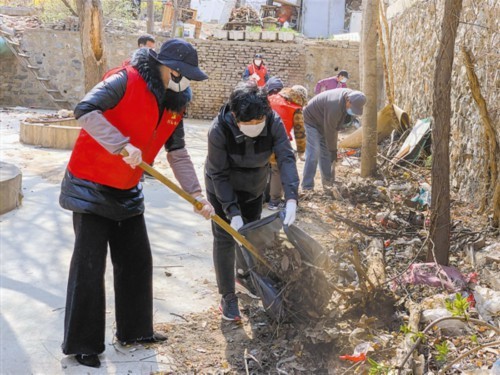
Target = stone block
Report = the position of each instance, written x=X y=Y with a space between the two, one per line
x=10 y=187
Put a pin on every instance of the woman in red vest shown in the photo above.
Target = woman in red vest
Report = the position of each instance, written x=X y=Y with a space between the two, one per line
x=287 y=103
x=139 y=109
x=256 y=71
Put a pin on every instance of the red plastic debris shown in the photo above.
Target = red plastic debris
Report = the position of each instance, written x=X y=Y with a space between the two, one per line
x=354 y=358
x=471 y=300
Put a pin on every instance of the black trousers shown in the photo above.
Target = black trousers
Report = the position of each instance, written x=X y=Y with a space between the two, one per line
x=84 y=323
x=225 y=253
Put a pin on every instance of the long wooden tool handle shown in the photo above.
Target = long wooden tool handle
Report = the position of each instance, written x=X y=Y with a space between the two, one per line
x=228 y=228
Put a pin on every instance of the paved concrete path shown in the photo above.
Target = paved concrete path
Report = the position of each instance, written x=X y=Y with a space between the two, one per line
x=36 y=243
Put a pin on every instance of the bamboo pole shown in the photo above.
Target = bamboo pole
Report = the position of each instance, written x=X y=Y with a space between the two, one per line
x=198 y=205
x=388 y=87
x=388 y=43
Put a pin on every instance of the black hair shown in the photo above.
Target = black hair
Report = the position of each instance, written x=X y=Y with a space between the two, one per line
x=249 y=102
x=343 y=73
x=143 y=39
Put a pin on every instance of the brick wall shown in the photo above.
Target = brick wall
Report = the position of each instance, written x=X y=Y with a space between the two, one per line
x=225 y=63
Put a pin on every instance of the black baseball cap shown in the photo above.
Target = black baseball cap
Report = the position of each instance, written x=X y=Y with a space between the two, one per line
x=180 y=56
x=343 y=73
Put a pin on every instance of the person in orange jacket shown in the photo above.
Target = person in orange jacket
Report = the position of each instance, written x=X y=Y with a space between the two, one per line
x=288 y=104
x=256 y=71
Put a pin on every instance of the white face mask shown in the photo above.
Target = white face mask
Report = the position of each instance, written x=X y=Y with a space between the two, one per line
x=181 y=84
x=258 y=62
x=252 y=131
x=343 y=80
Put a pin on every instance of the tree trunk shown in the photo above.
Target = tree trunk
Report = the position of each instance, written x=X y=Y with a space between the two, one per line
x=150 y=27
x=441 y=110
x=492 y=147
x=369 y=61
x=176 y=17
x=92 y=40
x=68 y=5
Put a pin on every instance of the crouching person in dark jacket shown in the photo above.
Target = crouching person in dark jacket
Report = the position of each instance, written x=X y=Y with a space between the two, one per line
x=137 y=108
x=240 y=141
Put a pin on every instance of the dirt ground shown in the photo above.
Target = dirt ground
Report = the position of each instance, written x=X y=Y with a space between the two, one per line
x=205 y=344
x=345 y=223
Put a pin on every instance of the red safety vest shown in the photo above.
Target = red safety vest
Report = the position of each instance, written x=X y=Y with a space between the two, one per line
x=286 y=109
x=136 y=116
x=261 y=72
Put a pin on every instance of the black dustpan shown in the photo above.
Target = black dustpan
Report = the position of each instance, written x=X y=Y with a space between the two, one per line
x=259 y=233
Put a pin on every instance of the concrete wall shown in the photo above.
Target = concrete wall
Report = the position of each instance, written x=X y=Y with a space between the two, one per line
x=18 y=86
x=59 y=55
x=415 y=33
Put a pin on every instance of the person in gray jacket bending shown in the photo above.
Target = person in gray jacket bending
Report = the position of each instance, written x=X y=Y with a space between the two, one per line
x=240 y=141
x=323 y=116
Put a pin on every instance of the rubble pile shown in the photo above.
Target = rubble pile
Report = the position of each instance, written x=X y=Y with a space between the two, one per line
x=242 y=17
x=19 y=23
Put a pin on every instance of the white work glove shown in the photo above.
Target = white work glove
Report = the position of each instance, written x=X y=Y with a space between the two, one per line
x=134 y=157
x=207 y=211
x=237 y=222
x=290 y=210
x=255 y=77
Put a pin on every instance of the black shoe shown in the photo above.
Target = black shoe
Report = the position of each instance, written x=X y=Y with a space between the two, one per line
x=229 y=308
x=157 y=337
x=275 y=205
x=90 y=360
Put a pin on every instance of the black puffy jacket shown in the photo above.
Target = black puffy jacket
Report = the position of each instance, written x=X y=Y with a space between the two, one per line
x=238 y=165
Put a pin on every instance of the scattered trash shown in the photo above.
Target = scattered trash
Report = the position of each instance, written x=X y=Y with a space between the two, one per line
x=347 y=153
x=350 y=162
x=354 y=358
x=435 y=275
x=389 y=118
x=400 y=187
x=359 y=354
x=487 y=303
x=415 y=141
x=448 y=327
x=423 y=198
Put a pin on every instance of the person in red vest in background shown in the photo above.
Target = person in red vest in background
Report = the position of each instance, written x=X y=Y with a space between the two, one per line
x=256 y=71
x=288 y=104
x=139 y=109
